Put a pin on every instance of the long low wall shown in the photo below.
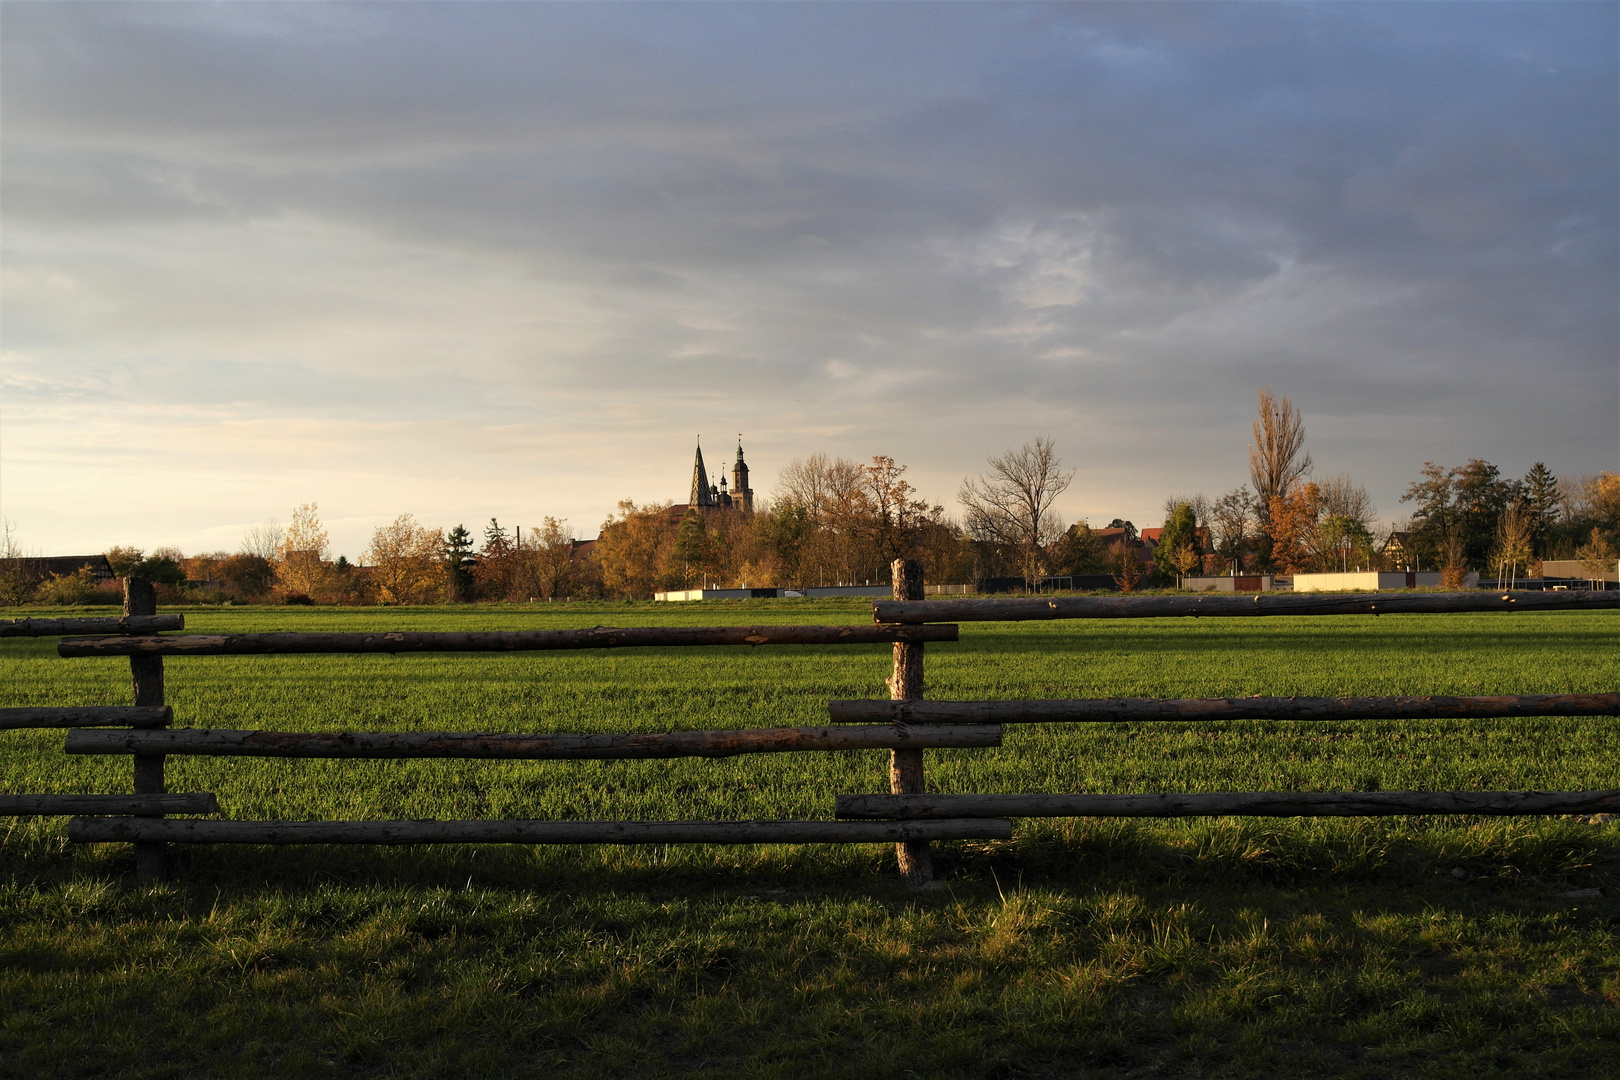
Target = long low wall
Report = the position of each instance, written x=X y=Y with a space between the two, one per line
x=1572 y=570
x=1240 y=583
x=1375 y=580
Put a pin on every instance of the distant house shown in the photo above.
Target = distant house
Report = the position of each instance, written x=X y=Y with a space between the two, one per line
x=1151 y=537
x=64 y=566
x=1399 y=550
x=1107 y=538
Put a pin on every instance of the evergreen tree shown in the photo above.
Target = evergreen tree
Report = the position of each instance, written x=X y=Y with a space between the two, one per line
x=1180 y=531
x=458 y=547
x=1541 y=501
x=497 y=541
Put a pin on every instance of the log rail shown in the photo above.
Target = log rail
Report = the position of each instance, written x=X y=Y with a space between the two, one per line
x=108 y=624
x=201 y=802
x=1137 y=710
x=1233 y=803
x=908 y=816
x=428 y=744
x=86 y=716
x=601 y=637
x=1015 y=609
x=101 y=830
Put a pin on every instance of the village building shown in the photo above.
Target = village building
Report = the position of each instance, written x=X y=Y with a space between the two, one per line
x=738 y=495
x=50 y=566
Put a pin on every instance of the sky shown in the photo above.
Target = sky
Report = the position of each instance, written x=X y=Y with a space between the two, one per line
x=474 y=260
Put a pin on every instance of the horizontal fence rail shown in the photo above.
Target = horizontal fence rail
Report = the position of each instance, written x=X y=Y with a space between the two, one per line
x=1154 y=607
x=107 y=624
x=601 y=637
x=97 y=830
x=427 y=744
x=1103 y=710
x=192 y=803
x=1241 y=803
x=86 y=716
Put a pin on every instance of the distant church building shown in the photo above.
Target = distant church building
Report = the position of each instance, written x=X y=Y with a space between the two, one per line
x=706 y=496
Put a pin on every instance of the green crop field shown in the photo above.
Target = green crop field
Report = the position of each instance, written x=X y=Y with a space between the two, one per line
x=1204 y=947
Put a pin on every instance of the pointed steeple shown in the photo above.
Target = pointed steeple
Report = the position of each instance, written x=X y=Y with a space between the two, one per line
x=742 y=496
x=700 y=483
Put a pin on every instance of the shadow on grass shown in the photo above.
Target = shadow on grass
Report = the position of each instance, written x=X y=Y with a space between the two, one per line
x=1083 y=948
x=1228 y=853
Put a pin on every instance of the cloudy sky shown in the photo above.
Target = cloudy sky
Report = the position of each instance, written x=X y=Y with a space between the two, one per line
x=477 y=259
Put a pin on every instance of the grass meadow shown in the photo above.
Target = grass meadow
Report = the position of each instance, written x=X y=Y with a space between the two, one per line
x=1429 y=947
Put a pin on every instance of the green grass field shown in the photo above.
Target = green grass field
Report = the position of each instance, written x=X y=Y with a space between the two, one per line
x=1230 y=947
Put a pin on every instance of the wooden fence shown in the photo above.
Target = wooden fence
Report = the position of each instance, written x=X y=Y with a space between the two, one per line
x=150 y=797
x=905 y=725
x=925 y=806
x=136 y=637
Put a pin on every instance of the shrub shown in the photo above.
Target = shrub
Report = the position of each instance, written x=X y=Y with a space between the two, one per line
x=67 y=589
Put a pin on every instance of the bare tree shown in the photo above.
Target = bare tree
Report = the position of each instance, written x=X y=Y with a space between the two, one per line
x=1512 y=546
x=262 y=540
x=820 y=484
x=552 y=557
x=1344 y=498
x=1011 y=504
x=1202 y=508
x=897 y=517
x=20 y=574
x=1124 y=565
x=832 y=493
x=1274 y=459
x=1231 y=516
x=1597 y=558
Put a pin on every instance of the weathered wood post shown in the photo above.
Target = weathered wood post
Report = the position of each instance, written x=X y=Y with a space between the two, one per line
x=906 y=684
x=140 y=598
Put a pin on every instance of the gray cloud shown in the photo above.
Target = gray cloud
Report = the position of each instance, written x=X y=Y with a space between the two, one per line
x=591 y=229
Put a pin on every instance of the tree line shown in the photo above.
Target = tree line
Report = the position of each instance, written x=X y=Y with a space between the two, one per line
x=833 y=521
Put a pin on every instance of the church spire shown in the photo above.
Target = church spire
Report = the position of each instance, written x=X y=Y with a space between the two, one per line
x=700 y=483
x=742 y=496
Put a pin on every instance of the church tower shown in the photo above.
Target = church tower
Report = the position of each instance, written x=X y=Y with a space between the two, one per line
x=742 y=496
x=700 y=483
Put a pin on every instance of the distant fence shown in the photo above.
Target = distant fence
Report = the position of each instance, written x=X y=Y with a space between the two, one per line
x=906 y=726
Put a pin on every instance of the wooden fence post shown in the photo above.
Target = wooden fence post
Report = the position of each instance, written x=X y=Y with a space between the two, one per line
x=140 y=598
x=906 y=684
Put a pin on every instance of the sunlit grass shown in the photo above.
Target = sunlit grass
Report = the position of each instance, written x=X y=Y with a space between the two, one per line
x=1212 y=947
